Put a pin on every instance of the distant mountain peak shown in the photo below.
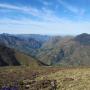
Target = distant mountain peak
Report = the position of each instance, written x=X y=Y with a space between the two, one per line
x=84 y=34
x=83 y=38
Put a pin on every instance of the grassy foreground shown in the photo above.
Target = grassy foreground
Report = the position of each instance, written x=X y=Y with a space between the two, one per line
x=71 y=79
x=40 y=78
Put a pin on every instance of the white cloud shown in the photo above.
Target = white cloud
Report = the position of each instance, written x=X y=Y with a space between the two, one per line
x=49 y=24
x=45 y=2
x=25 y=9
x=63 y=27
x=73 y=9
x=43 y=14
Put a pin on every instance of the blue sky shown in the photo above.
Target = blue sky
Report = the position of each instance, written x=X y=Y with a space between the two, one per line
x=52 y=17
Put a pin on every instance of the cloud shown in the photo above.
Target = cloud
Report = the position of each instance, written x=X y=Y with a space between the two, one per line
x=49 y=23
x=45 y=3
x=63 y=27
x=25 y=9
x=71 y=8
x=45 y=14
x=42 y=14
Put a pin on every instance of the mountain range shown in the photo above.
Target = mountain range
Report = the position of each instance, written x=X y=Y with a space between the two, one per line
x=47 y=50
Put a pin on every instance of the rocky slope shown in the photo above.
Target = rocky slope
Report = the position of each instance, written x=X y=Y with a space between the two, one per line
x=56 y=50
x=68 y=51
x=26 y=45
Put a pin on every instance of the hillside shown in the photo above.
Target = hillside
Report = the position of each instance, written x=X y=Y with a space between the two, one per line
x=67 y=51
x=69 y=79
x=11 y=57
x=26 y=60
x=83 y=39
x=27 y=45
x=54 y=50
x=7 y=57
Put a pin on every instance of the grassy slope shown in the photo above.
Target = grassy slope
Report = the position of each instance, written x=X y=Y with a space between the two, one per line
x=71 y=79
x=67 y=78
x=26 y=60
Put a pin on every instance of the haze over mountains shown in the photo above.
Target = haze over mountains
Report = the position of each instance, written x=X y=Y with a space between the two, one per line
x=46 y=50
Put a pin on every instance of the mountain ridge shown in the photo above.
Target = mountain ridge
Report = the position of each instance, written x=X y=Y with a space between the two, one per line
x=55 y=51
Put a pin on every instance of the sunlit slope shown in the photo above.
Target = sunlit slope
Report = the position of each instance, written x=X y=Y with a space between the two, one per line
x=70 y=79
x=66 y=51
x=26 y=60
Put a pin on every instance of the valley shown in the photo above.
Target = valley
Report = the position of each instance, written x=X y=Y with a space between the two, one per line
x=37 y=62
x=44 y=44
x=51 y=50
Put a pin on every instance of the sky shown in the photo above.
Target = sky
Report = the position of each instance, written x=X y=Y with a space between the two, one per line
x=52 y=17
